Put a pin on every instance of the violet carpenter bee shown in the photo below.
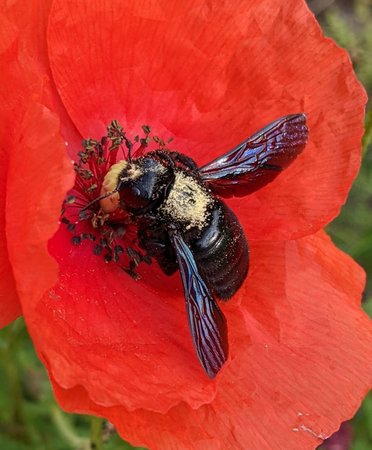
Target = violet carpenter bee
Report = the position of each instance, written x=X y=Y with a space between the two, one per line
x=184 y=225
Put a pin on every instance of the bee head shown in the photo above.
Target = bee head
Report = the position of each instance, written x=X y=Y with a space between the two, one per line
x=135 y=185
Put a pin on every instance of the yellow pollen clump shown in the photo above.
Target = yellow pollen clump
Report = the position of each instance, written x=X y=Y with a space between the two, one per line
x=110 y=182
x=111 y=179
x=133 y=172
x=187 y=202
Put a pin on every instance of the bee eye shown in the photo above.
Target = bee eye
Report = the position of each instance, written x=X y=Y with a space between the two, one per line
x=136 y=192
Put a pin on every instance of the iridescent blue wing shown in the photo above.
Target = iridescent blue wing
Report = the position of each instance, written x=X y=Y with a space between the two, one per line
x=206 y=320
x=259 y=159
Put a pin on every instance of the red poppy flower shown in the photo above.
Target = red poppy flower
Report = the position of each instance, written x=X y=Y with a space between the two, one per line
x=206 y=74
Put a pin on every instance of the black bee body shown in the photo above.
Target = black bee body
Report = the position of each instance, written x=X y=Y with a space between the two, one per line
x=184 y=225
x=181 y=201
x=221 y=253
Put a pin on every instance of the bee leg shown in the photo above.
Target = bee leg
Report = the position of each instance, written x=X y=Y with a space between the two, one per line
x=155 y=241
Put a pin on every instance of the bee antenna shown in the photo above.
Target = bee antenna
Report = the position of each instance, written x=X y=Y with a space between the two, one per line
x=101 y=197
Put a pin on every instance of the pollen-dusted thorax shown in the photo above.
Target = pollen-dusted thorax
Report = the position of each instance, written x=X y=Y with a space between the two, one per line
x=188 y=202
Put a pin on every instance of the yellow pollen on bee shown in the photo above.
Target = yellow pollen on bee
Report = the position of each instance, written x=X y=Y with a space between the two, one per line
x=111 y=179
x=110 y=182
x=187 y=202
x=110 y=203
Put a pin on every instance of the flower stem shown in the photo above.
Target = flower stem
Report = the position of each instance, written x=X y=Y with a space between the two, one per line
x=17 y=422
x=96 y=428
x=66 y=430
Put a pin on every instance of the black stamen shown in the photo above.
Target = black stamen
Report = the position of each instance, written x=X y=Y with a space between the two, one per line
x=95 y=160
x=70 y=199
x=108 y=258
x=76 y=240
x=71 y=227
x=97 y=250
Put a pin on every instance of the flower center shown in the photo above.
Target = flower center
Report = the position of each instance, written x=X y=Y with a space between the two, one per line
x=111 y=230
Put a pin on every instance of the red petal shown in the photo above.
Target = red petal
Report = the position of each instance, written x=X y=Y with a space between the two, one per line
x=127 y=341
x=300 y=351
x=211 y=73
x=25 y=80
x=29 y=21
x=39 y=175
x=10 y=307
x=10 y=80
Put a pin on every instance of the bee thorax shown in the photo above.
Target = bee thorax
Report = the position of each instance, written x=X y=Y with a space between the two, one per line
x=188 y=202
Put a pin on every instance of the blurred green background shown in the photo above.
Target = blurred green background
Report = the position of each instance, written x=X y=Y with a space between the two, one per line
x=29 y=415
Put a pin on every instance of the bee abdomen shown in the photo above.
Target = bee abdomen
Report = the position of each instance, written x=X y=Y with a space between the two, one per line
x=222 y=253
